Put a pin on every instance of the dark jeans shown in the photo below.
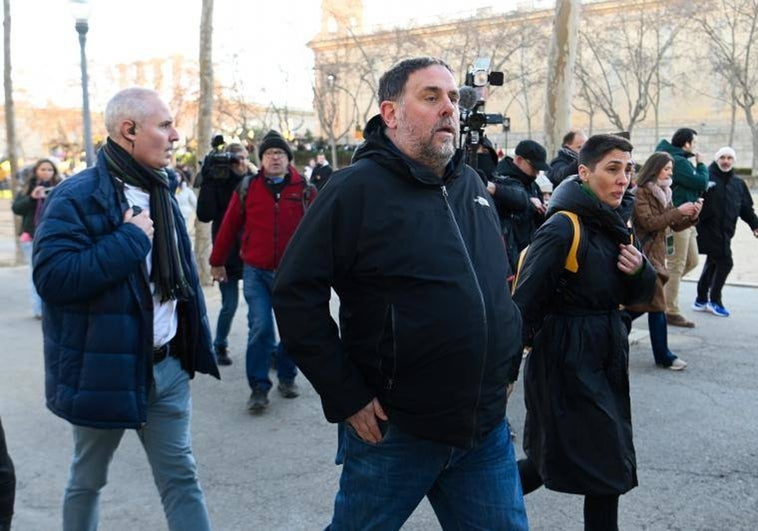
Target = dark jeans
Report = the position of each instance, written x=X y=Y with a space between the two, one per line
x=713 y=278
x=656 y=322
x=7 y=484
x=230 y=296
x=381 y=484
x=600 y=512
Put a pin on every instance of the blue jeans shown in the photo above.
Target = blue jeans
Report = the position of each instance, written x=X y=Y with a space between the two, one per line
x=256 y=286
x=229 y=301
x=26 y=250
x=382 y=484
x=656 y=322
x=166 y=440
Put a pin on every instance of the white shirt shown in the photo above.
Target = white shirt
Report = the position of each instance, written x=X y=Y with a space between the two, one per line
x=165 y=318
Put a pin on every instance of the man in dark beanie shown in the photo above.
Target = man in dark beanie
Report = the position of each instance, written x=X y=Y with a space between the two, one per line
x=123 y=316
x=266 y=210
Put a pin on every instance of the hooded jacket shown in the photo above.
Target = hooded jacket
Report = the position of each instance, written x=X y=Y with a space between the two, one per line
x=565 y=164
x=688 y=181
x=578 y=428
x=727 y=200
x=427 y=324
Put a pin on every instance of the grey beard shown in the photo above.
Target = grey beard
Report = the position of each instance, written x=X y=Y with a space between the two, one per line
x=437 y=159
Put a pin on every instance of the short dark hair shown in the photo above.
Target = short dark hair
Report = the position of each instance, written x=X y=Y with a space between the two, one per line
x=392 y=83
x=569 y=137
x=682 y=136
x=235 y=147
x=596 y=146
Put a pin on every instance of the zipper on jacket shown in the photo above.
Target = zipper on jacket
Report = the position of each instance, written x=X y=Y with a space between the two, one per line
x=470 y=264
x=276 y=231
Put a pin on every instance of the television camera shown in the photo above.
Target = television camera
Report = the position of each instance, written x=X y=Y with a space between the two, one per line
x=471 y=103
x=217 y=163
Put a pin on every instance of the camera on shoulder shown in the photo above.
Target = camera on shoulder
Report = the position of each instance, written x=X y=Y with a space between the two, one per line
x=217 y=163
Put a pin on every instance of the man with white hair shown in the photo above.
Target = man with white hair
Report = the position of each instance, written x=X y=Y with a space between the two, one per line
x=124 y=319
x=727 y=198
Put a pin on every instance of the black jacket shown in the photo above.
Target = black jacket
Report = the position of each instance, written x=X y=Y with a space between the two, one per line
x=320 y=175
x=27 y=207
x=519 y=225
x=724 y=202
x=576 y=380
x=426 y=320
x=565 y=164
x=212 y=202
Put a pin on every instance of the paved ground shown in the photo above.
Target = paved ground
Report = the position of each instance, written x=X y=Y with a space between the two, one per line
x=695 y=435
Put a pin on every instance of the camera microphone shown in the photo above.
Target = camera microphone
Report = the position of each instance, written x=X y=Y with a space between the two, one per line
x=468 y=98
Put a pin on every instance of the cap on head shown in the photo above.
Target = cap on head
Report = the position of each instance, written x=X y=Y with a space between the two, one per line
x=534 y=153
x=726 y=150
x=274 y=140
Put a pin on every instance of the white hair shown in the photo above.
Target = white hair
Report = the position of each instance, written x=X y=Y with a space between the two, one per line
x=127 y=104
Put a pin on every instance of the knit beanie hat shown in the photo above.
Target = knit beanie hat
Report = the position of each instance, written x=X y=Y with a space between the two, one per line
x=274 y=140
x=726 y=150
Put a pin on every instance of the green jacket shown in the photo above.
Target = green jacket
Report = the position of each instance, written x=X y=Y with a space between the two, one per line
x=688 y=182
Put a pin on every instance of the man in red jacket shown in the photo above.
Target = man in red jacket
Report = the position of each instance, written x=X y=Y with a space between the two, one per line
x=274 y=203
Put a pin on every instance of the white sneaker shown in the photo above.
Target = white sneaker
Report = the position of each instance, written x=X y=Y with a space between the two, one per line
x=678 y=364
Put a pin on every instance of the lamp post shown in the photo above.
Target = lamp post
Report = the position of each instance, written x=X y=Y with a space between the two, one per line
x=81 y=11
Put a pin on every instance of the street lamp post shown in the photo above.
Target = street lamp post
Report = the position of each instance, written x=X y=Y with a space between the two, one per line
x=81 y=9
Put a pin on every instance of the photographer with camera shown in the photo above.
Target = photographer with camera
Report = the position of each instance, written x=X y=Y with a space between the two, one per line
x=521 y=172
x=28 y=204
x=215 y=193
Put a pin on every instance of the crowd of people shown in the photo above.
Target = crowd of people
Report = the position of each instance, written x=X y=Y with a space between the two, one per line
x=447 y=278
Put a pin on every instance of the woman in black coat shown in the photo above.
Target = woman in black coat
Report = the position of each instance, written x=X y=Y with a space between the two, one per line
x=28 y=204
x=578 y=433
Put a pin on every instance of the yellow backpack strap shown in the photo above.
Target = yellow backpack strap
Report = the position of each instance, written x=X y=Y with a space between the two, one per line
x=519 y=264
x=572 y=263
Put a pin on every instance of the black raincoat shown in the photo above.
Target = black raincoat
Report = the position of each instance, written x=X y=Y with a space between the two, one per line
x=578 y=426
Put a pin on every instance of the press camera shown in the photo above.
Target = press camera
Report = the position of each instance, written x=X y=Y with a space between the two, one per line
x=217 y=163
x=472 y=99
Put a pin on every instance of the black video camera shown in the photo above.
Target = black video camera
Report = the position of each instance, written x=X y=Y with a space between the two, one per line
x=471 y=104
x=216 y=164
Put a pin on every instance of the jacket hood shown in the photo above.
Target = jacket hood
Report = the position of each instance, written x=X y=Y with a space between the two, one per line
x=380 y=149
x=665 y=145
x=571 y=195
x=508 y=168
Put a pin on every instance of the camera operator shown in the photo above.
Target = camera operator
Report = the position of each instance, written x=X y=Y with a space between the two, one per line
x=508 y=194
x=215 y=193
x=522 y=171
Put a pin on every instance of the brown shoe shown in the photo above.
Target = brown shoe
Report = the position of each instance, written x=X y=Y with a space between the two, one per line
x=678 y=320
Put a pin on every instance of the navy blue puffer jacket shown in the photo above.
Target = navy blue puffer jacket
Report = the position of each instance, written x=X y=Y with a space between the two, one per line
x=89 y=269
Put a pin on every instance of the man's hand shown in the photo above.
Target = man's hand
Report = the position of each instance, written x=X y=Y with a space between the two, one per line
x=364 y=422
x=142 y=220
x=218 y=273
x=630 y=259
x=538 y=205
x=491 y=187
x=698 y=158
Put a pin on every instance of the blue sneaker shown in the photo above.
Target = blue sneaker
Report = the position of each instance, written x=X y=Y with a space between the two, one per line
x=700 y=306
x=717 y=309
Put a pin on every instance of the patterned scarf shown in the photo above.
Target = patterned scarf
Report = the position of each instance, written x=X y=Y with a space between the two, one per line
x=167 y=272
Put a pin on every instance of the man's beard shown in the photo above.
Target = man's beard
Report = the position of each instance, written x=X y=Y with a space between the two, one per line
x=435 y=156
x=726 y=168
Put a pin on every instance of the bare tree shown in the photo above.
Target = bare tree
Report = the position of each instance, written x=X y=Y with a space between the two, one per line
x=618 y=58
x=731 y=27
x=560 y=69
x=10 y=113
x=328 y=99
x=202 y=230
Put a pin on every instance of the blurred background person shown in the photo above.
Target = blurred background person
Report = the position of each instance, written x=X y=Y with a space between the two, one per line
x=727 y=199
x=654 y=218
x=321 y=171
x=187 y=200
x=566 y=162
x=28 y=204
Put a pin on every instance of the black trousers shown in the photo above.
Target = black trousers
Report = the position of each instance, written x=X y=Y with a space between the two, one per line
x=713 y=278
x=600 y=512
x=7 y=484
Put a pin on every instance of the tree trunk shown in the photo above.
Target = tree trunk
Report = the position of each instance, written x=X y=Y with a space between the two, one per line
x=560 y=68
x=334 y=161
x=10 y=117
x=203 y=230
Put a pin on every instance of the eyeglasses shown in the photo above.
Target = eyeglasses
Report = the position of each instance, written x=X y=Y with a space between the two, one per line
x=274 y=153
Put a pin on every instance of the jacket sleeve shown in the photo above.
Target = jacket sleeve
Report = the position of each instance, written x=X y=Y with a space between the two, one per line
x=640 y=287
x=207 y=203
x=23 y=204
x=747 y=213
x=71 y=265
x=685 y=175
x=510 y=197
x=540 y=273
x=318 y=255
x=227 y=233
x=648 y=221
